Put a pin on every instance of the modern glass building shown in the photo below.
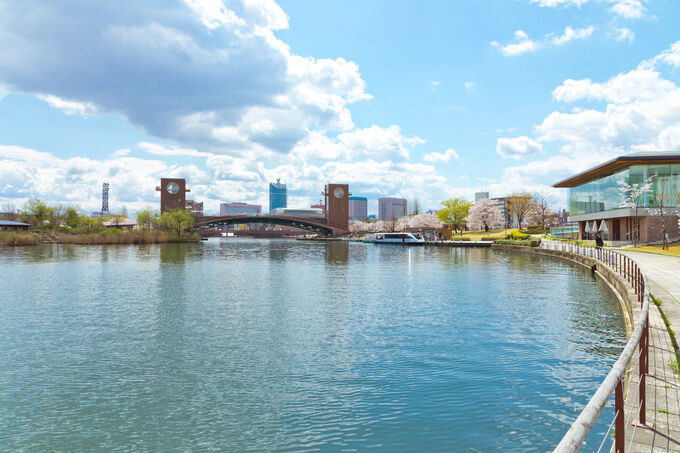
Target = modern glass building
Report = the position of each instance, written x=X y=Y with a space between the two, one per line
x=278 y=195
x=597 y=200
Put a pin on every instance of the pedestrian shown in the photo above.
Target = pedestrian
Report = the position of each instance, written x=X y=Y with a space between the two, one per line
x=599 y=243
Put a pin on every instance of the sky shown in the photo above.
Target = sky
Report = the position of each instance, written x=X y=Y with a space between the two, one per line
x=420 y=100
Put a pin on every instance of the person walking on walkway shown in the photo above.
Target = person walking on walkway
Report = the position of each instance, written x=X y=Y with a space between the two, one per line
x=599 y=243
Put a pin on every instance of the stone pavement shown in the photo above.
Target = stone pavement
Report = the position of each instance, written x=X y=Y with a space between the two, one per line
x=663 y=388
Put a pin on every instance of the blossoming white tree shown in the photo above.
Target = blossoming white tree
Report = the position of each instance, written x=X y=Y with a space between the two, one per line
x=484 y=214
x=633 y=196
x=418 y=221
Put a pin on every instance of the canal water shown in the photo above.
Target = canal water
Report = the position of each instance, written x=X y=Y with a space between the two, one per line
x=277 y=345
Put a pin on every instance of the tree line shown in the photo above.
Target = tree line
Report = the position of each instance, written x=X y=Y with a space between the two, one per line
x=48 y=217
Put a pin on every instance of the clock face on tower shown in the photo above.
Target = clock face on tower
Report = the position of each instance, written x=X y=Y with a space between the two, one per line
x=172 y=188
x=338 y=192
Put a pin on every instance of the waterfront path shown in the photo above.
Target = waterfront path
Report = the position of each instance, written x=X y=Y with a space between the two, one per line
x=663 y=389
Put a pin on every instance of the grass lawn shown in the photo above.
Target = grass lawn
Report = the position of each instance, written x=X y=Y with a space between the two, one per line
x=673 y=248
x=478 y=235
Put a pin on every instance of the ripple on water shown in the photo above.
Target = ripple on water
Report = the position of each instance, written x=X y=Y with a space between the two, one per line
x=245 y=345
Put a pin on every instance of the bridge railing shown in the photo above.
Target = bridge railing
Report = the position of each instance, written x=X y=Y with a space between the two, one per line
x=615 y=383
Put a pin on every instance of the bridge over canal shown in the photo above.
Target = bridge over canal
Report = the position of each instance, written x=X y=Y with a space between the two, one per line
x=317 y=225
x=335 y=223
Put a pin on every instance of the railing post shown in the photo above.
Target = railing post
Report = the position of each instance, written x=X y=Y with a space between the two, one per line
x=620 y=434
x=643 y=374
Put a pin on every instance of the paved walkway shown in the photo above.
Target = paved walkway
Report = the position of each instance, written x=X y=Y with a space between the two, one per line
x=663 y=388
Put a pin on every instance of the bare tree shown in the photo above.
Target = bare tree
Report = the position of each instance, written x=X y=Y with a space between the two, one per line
x=415 y=207
x=520 y=204
x=9 y=211
x=541 y=207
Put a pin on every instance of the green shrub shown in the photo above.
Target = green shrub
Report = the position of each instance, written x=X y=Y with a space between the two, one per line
x=519 y=242
x=453 y=238
x=515 y=235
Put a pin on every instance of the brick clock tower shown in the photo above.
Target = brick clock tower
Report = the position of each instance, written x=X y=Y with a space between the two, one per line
x=337 y=205
x=173 y=194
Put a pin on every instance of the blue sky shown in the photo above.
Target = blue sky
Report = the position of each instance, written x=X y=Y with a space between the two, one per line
x=420 y=100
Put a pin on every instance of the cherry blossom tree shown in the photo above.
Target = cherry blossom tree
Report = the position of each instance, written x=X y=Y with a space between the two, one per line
x=633 y=195
x=484 y=214
x=418 y=221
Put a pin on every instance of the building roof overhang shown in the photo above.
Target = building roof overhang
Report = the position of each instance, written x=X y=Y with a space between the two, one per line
x=621 y=162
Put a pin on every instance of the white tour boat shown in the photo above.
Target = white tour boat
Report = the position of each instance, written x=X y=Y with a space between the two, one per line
x=400 y=238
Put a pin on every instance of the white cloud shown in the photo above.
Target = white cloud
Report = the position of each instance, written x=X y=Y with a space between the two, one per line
x=19 y=153
x=641 y=112
x=470 y=86
x=572 y=33
x=556 y=3
x=624 y=34
x=27 y=173
x=369 y=143
x=158 y=150
x=435 y=84
x=522 y=45
x=69 y=107
x=629 y=9
x=121 y=152
x=518 y=147
x=640 y=84
x=670 y=56
x=201 y=72
x=447 y=156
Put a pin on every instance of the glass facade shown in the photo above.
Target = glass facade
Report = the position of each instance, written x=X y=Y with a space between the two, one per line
x=604 y=194
x=278 y=196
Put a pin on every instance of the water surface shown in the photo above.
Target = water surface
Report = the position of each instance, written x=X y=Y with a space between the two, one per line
x=249 y=345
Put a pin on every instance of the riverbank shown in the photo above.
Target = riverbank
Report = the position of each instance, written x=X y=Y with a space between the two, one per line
x=106 y=237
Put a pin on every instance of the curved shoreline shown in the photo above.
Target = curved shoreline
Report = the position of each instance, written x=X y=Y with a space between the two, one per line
x=615 y=283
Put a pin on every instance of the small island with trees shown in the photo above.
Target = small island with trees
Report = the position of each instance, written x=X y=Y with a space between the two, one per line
x=69 y=225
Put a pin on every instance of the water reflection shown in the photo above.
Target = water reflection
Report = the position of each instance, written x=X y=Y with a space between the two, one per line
x=237 y=345
x=337 y=252
x=173 y=253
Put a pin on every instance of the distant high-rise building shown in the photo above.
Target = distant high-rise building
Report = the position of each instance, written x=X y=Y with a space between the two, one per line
x=507 y=219
x=278 y=195
x=240 y=209
x=391 y=208
x=358 y=208
x=481 y=196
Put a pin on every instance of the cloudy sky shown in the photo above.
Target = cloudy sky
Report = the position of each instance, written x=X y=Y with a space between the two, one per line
x=426 y=100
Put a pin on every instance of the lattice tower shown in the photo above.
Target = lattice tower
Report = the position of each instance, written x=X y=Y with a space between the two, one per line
x=105 y=198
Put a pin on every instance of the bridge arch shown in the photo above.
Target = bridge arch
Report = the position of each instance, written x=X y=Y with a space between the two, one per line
x=309 y=224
